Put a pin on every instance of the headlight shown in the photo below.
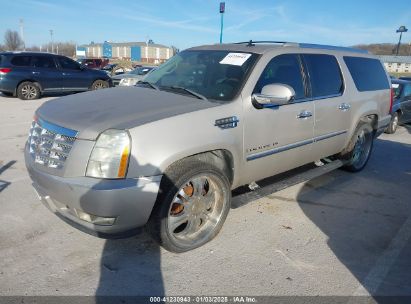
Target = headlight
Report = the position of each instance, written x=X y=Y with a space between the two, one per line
x=110 y=155
x=128 y=81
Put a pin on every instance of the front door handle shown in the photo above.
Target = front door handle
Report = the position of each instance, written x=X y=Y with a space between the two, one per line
x=35 y=73
x=344 y=106
x=304 y=115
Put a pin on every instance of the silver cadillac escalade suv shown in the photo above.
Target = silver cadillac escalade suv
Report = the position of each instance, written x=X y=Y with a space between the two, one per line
x=167 y=152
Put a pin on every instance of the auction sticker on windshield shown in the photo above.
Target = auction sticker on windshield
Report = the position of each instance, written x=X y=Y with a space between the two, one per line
x=235 y=58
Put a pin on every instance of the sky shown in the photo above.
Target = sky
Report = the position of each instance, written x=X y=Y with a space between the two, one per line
x=185 y=23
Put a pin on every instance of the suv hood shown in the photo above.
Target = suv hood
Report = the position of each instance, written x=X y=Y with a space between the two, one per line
x=93 y=112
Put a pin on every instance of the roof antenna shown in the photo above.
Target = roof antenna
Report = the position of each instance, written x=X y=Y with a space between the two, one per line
x=250 y=43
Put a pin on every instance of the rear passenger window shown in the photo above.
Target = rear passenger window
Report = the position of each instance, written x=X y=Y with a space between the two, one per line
x=43 y=62
x=407 y=90
x=23 y=61
x=284 y=69
x=367 y=73
x=325 y=75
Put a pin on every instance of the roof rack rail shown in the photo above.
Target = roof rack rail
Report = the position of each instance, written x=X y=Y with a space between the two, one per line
x=306 y=45
x=252 y=43
x=331 y=47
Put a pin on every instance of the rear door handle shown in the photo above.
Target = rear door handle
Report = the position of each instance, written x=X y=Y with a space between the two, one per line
x=344 y=106
x=304 y=114
x=35 y=73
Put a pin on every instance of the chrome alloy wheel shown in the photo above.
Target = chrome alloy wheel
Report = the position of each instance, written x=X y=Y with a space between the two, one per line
x=99 y=86
x=362 y=149
x=395 y=123
x=29 y=91
x=196 y=209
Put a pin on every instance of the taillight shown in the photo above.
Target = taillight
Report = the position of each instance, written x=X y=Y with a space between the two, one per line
x=4 y=71
x=392 y=100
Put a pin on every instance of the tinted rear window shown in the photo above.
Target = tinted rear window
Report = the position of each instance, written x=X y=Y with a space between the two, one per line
x=367 y=73
x=43 y=62
x=21 y=61
x=325 y=75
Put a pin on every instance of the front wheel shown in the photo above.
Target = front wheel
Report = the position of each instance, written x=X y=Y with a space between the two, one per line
x=99 y=84
x=362 y=140
x=192 y=206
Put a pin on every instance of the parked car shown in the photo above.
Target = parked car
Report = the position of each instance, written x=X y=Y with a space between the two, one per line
x=167 y=152
x=132 y=77
x=401 y=109
x=113 y=69
x=29 y=75
x=93 y=63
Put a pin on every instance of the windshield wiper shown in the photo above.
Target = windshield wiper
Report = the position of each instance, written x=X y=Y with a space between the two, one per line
x=177 y=88
x=153 y=86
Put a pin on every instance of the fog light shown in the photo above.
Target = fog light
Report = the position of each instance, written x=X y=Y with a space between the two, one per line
x=94 y=219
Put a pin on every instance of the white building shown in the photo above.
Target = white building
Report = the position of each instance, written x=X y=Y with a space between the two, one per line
x=396 y=64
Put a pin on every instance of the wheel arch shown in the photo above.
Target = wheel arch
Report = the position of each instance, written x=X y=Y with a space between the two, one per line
x=28 y=80
x=222 y=159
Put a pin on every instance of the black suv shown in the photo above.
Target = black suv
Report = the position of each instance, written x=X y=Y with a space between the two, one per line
x=28 y=75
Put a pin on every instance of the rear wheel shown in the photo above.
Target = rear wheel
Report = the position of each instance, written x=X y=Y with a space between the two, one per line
x=362 y=142
x=99 y=84
x=191 y=208
x=392 y=127
x=28 y=91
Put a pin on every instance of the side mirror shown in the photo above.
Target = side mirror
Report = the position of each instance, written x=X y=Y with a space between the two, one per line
x=274 y=94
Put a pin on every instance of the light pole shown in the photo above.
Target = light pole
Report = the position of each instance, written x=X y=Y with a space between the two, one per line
x=51 y=38
x=222 y=10
x=22 y=33
x=401 y=30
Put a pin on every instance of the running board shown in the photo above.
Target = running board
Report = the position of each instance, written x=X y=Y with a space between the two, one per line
x=244 y=197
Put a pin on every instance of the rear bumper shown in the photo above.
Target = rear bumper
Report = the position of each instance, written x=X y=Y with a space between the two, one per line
x=128 y=201
x=7 y=85
x=382 y=125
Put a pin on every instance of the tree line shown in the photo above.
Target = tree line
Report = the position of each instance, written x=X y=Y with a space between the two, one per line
x=386 y=48
x=13 y=42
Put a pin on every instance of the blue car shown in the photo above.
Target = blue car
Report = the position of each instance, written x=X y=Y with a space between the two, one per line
x=401 y=108
x=29 y=75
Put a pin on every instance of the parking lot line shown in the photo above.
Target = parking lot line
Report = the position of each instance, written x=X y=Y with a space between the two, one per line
x=384 y=263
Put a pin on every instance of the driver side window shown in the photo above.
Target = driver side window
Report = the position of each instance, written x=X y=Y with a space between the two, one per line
x=283 y=69
x=68 y=64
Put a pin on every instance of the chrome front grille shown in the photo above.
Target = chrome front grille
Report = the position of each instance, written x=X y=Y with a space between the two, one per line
x=49 y=144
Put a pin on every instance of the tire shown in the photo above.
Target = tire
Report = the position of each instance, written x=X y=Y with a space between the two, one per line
x=28 y=90
x=392 y=127
x=99 y=84
x=192 y=205
x=362 y=143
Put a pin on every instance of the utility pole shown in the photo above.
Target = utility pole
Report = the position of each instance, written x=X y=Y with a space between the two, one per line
x=22 y=33
x=51 y=38
x=222 y=10
x=401 y=30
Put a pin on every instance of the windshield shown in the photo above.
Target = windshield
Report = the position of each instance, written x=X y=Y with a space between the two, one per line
x=140 y=71
x=214 y=74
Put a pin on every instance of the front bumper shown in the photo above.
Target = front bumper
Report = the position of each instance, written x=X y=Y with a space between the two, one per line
x=130 y=201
